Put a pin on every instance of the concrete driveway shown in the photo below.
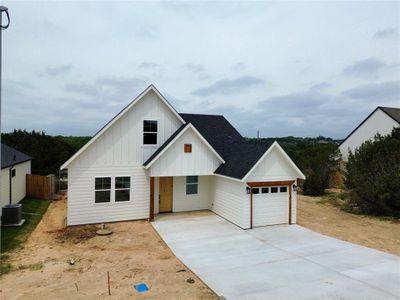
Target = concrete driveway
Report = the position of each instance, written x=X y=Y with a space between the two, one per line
x=277 y=262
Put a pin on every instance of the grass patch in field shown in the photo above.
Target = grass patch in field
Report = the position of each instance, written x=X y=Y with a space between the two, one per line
x=32 y=211
x=33 y=267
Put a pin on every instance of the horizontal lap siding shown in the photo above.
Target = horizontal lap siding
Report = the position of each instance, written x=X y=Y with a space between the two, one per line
x=81 y=206
x=18 y=183
x=231 y=202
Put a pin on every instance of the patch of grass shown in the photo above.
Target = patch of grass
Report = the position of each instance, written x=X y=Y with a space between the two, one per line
x=32 y=211
x=33 y=267
x=334 y=198
x=5 y=267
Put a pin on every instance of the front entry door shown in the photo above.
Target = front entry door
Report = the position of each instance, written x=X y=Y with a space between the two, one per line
x=165 y=194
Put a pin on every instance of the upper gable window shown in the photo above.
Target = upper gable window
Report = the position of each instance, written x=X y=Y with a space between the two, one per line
x=150 y=129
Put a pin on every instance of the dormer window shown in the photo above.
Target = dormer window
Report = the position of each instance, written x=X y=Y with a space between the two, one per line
x=150 y=129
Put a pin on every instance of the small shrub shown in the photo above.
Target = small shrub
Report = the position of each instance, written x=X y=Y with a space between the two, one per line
x=5 y=267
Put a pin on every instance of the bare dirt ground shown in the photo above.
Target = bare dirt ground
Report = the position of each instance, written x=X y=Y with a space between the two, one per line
x=133 y=254
x=327 y=219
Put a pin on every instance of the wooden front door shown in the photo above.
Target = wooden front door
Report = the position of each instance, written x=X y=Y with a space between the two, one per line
x=165 y=194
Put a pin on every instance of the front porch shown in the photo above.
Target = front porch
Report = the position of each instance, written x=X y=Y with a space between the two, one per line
x=180 y=193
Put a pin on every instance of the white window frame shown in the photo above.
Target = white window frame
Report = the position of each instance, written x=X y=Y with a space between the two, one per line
x=102 y=190
x=123 y=189
x=192 y=183
x=112 y=191
x=156 y=133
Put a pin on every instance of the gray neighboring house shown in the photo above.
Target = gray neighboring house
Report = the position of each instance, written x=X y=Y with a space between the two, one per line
x=16 y=165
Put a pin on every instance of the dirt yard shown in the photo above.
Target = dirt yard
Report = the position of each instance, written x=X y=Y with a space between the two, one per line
x=133 y=254
x=327 y=219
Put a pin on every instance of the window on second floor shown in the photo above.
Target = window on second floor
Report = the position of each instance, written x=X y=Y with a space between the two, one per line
x=150 y=129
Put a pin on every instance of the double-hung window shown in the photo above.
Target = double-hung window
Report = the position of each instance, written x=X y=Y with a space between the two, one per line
x=122 y=189
x=102 y=189
x=150 y=129
x=192 y=183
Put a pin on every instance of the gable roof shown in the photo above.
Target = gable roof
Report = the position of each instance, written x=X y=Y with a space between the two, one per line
x=118 y=116
x=241 y=156
x=181 y=130
x=11 y=156
x=392 y=112
x=275 y=144
x=215 y=129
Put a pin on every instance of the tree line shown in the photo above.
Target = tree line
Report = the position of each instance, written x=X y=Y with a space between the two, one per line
x=372 y=174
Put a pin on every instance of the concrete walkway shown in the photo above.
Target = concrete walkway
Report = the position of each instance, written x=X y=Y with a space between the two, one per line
x=277 y=262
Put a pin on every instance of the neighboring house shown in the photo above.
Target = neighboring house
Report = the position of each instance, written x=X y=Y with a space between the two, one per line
x=382 y=120
x=14 y=165
x=150 y=159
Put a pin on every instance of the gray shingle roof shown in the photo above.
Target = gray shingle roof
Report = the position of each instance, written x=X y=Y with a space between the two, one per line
x=393 y=112
x=11 y=156
x=240 y=155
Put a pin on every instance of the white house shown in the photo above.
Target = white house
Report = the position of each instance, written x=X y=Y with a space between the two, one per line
x=14 y=167
x=150 y=159
x=382 y=120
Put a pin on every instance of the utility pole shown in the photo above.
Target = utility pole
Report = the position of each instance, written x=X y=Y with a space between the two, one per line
x=4 y=10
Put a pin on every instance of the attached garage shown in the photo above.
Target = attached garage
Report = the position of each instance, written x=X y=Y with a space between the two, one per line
x=271 y=203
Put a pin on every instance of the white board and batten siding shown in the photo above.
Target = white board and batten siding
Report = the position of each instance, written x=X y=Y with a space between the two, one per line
x=18 y=183
x=174 y=162
x=230 y=201
x=378 y=122
x=118 y=152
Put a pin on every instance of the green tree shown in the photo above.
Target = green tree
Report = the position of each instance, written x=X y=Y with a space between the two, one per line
x=48 y=152
x=373 y=175
x=318 y=162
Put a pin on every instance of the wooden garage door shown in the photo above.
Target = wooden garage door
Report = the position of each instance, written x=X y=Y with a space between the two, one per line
x=270 y=205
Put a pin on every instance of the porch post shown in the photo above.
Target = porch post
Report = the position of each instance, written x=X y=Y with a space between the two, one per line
x=251 y=208
x=151 y=215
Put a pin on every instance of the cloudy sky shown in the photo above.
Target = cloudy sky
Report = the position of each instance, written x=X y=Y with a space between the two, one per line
x=284 y=68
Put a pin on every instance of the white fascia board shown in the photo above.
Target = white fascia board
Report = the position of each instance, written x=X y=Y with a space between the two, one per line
x=275 y=144
x=228 y=177
x=118 y=116
x=176 y=138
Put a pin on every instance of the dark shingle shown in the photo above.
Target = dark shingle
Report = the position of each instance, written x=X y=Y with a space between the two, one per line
x=11 y=156
x=242 y=156
x=239 y=154
x=215 y=129
x=393 y=112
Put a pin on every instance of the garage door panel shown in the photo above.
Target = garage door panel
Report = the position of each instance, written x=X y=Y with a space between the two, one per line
x=270 y=209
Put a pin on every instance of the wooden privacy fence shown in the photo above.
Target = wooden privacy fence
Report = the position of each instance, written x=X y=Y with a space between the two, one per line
x=40 y=187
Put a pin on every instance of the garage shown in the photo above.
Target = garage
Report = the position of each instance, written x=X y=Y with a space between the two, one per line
x=270 y=205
